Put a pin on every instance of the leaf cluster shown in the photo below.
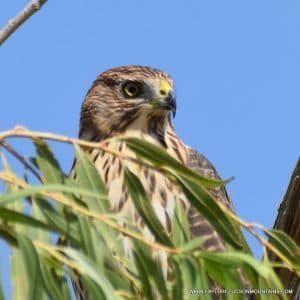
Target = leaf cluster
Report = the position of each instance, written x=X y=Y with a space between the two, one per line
x=62 y=230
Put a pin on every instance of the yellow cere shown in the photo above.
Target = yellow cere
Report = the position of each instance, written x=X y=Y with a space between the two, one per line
x=165 y=88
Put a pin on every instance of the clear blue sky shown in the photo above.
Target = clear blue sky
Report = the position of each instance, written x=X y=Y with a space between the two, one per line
x=235 y=65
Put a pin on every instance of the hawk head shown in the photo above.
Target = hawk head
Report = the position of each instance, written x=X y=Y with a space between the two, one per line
x=129 y=97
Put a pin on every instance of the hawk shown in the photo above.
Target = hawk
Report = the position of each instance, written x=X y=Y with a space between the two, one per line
x=139 y=101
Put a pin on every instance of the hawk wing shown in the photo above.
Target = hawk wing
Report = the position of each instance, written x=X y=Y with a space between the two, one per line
x=198 y=224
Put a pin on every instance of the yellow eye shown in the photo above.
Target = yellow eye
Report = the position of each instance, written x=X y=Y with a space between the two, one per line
x=132 y=89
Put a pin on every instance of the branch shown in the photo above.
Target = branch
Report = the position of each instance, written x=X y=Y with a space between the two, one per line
x=20 y=131
x=21 y=158
x=18 y=20
x=288 y=220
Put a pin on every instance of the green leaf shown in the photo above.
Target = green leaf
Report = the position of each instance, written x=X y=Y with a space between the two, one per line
x=116 y=277
x=61 y=224
x=285 y=244
x=160 y=158
x=207 y=205
x=38 y=190
x=37 y=213
x=92 y=242
x=180 y=226
x=187 y=267
x=178 y=288
x=88 y=178
x=152 y=267
x=19 y=276
x=144 y=276
x=87 y=268
x=32 y=269
x=47 y=163
x=55 y=285
x=144 y=207
x=203 y=281
x=11 y=188
x=228 y=280
x=20 y=218
x=87 y=243
x=237 y=259
x=193 y=244
x=8 y=235
x=92 y=290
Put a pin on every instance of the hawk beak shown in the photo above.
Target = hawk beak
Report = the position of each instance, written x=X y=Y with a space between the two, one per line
x=169 y=103
x=166 y=99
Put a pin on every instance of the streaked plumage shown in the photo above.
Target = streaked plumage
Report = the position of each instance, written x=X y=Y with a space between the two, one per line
x=107 y=112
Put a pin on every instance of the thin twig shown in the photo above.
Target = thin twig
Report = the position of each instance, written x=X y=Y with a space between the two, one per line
x=20 y=131
x=19 y=19
x=21 y=158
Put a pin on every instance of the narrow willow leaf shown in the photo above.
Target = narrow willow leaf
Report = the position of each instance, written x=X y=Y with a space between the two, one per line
x=188 y=274
x=206 y=205
x=61 y=224
x=87 y=268
x=55 y=285
x=32 y=269
x=19 y=277
x=193 y=244
x=229 y=279
x=240 y=259
x=285 y=244
x=178 y=291
x=37 y=213
x=38 y=190
x=92 y=290
x=263 y=285
x=152 y=267
x=47 y=162
x=20 y=218
x=8 y=235
x=121 y=269
x=11 y=188
x=92 y=242
x=180 y=226
x=118 y=280
x=87 y=243
x=148 y=292
x=202 y=281
x=88 y=177
x=160 y=158
x=71 y=182
x=144 y=207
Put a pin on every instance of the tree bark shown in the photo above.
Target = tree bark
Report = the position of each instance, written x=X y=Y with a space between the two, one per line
x=288 y=220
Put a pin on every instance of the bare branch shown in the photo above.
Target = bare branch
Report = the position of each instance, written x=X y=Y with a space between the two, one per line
x=20 y=131
x=21 y=158
x=18 y=20
x=288 y=220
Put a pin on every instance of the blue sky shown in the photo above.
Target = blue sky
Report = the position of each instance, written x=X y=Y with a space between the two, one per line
x=235 y=66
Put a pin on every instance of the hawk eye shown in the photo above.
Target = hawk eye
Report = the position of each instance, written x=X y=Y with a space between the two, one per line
x=132 y=89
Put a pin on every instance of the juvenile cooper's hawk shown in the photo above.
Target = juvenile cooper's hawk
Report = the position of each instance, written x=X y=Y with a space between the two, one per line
x=138 y=101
